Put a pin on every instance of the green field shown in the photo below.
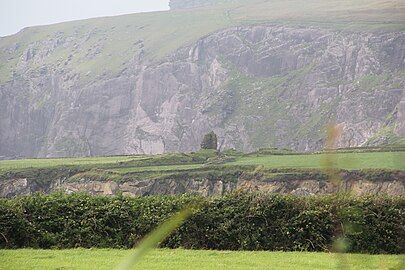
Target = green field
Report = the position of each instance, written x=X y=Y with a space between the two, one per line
x=188 y=259
x=157 y=168
x=349 y=161
x=51 y=162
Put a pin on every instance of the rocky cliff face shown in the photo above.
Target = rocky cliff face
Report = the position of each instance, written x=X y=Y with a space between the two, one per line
x=255 y=86
x=209 y=187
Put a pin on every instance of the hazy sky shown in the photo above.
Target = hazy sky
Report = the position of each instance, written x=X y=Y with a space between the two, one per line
x=17 y=14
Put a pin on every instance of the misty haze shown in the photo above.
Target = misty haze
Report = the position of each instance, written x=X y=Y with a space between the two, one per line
x=243 y=125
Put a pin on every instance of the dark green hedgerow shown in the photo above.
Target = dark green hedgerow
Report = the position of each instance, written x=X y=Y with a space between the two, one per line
x=240 y=221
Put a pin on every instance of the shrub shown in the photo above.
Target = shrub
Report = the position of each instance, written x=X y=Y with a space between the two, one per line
x=239 y=221
x=210 y=141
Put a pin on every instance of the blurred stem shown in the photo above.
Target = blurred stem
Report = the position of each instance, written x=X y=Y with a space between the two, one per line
x=153 y=239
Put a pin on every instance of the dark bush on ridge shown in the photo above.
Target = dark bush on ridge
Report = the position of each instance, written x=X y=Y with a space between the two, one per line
x=240 y=221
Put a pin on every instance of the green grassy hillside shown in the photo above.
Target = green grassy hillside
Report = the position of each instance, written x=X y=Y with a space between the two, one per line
x=112 y=39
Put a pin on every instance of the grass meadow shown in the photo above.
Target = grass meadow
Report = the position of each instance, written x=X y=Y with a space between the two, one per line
x=349 y=161
x=51 y=162
x=166 y=259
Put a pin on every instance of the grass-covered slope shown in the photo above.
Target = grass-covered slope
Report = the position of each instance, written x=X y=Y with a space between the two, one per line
x=111 y=39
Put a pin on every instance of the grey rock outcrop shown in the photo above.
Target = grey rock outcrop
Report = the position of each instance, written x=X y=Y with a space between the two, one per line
x=254 y=86
x=208 y=187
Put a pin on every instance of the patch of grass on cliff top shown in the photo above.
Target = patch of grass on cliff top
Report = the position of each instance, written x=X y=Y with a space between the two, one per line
x=102 y=45
x=176 y=168
x=54 y=162
x=175 y=162
x=349 y=161
x=134 y=163
x=191 y=259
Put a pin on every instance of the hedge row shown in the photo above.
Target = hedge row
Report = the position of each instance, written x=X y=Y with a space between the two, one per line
x=240 y=221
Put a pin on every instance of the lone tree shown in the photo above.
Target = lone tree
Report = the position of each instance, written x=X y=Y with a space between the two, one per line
x=210 y=141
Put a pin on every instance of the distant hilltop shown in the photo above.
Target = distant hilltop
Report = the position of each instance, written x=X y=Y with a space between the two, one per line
x=183 y=4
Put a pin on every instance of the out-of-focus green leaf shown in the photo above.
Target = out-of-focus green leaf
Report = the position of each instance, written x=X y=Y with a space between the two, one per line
x=153 y=239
